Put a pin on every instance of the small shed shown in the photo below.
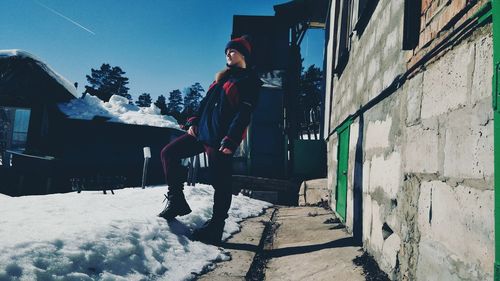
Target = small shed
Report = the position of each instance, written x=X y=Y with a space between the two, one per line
x=43 y=151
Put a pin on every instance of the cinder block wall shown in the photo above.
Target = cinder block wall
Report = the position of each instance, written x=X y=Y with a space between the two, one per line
x=427 y=150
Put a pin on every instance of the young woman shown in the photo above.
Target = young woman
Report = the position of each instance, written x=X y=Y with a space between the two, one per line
x=217 y=128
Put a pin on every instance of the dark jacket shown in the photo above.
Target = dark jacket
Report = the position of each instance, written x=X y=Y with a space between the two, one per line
x=225 y=111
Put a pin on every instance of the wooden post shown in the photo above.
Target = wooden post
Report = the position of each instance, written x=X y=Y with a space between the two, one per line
x=147 y=156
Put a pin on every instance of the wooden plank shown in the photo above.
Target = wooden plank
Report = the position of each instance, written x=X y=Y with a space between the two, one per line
x=264 y=184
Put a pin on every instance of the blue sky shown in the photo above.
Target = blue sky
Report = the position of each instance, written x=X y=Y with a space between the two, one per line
x=162 y=45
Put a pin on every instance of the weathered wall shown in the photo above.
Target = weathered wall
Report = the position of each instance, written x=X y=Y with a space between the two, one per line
x=427 y=177
x=382 y=170
x=374 y=61
x=455 y=131
x=437 y=18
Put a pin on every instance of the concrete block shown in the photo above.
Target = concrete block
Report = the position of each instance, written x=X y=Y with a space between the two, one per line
x=377 y=134
x=483 y=70
x=460 y=220
x=433 y=263
x=314 y=192
x=367 y=218
x=390 y=251
x=373 y=67
x=376 y=88
x=332 y=168
x=376 y=237
x=422 y=150
x=361 y=81
x=413 y=90
x=353 y=139
x=391 y=47
x=383 y=20
x=446 y=82
x=366 y=176
x=332 y=161
x=390 y=74
x=386 y=173
x=468 y=151
x=397 y=8
x=370 y=44
x=349 y=222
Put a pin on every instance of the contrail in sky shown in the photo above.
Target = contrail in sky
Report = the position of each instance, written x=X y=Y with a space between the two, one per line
x=66 y=18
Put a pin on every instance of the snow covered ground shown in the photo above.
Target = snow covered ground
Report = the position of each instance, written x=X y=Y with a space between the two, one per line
x=118 y=110
x=92 y=236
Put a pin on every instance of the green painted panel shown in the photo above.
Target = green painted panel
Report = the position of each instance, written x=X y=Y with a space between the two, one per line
x=310 y=159
x=342 y=168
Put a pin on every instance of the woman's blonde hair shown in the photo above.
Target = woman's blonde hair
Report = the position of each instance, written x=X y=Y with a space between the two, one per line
x=221 y=74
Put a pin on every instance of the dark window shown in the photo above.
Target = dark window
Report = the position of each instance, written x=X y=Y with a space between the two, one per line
x=14 y=123
x=361 y=7
x=334 y=38
x=365 y=12
x=344 y=35
x=411 y=31
x=20 y=128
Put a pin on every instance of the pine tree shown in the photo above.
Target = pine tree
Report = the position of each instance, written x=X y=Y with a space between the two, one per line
x=192 y=99
x=310 y=91
x=175 y=102
x=144 y=100
x=160 y=103
x=310 y=86
x=107 y=81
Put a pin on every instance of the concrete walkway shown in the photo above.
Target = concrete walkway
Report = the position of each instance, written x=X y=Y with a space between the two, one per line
x=290 y=243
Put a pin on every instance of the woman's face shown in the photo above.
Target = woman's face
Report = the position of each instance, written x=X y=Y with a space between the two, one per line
x=234 y=57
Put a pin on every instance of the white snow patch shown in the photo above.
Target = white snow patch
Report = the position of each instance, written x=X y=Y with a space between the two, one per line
x=92 y=236
x=118 y=110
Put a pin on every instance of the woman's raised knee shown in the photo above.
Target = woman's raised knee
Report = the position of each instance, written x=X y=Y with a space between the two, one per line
x=167 y=153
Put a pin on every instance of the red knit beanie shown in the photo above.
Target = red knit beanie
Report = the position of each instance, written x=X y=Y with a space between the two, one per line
x=241 y=44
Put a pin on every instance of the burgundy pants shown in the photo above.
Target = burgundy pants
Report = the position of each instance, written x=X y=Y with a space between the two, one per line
x=219 y=165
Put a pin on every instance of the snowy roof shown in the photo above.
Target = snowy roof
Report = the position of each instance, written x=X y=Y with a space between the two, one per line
x=56 y=76
x=117 y=110
x=23 y=79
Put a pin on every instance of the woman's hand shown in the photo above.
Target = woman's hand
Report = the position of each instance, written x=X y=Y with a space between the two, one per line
x=193 y=131
x=225 y=150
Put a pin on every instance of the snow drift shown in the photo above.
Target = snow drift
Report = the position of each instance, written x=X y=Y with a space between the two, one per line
x=92 y=236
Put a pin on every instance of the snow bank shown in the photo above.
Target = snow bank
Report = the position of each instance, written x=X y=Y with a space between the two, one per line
x=118 y=110
x=59 y=78
x=92 y=236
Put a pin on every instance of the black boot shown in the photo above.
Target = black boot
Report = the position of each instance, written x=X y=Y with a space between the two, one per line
x=210 y=232
x=176 y=206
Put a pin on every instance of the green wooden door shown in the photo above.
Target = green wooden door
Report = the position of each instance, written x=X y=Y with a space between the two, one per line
x=495 y=11
x=342 y=166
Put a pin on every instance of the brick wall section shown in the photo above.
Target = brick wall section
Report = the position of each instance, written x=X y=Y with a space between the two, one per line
x=438 y=19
